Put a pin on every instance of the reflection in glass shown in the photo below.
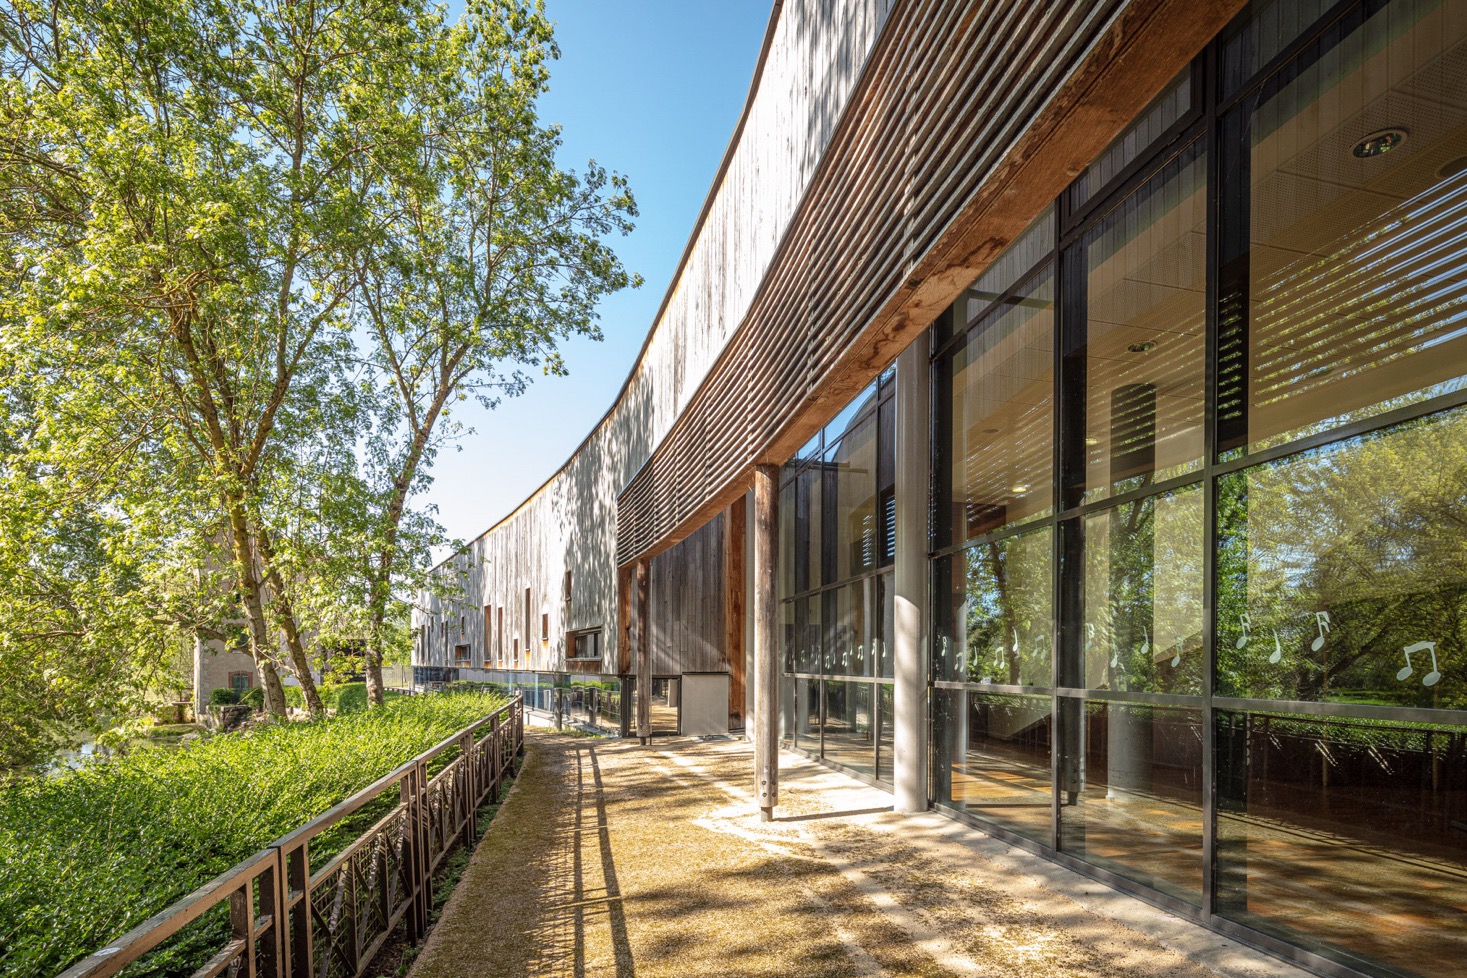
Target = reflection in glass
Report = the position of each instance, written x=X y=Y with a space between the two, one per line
x=850 y=631
x=886 y=738
x=850 y=468
x=1344 y=287
x=850 y=729
x=1132 y=793
x=993 y=758
x=1346 y=836
x=1143 y=595
x=807 y=635
x=998 y=621
x=1012 y=266
x=1341 y=572
x=807 y=529
x=1145 y=303
x=807 y=715
x=997 y=392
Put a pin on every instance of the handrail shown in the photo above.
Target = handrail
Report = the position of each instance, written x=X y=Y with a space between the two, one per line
x=287 y=921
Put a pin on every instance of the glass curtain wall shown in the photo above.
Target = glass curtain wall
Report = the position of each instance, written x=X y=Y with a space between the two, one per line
x=837 y=510
x=1200 y=524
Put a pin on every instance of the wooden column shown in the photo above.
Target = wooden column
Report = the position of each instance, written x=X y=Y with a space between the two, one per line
x=766 y=639
x=734 y=527
x=643 y=652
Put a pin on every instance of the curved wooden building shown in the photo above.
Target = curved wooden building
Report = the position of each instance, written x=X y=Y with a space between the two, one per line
x=1059 y=417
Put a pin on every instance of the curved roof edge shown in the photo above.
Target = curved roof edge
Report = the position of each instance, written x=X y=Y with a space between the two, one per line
x=708 y=201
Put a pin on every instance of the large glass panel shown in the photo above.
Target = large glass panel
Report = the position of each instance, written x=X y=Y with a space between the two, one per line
x=1342 y=572
x=807 y=715
x=807 y=528
x=1143 y=595
x=1344 y=285
x=886 y=483
x=1034 y=245
x=999 y=620
x=850 y=629
x=851 y=471
x=993 y=758
x=787 y=533
x=886 y=648
x=1346 y=836
x=996 y=397
x=886 y=740
x=1132 y=798
x=850 y=725
x=1166 y=111
x=809 y=640
x=1145 y=301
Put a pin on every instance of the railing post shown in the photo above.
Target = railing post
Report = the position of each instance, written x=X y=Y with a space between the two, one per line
x=272 y=905
x=242 y=924
x=470 y=804
x=495 y=765
x=425 y=863
x=296 y=876
x=413 y=858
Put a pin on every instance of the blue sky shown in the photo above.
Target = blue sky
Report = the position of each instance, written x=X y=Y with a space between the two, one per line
x=653 y=89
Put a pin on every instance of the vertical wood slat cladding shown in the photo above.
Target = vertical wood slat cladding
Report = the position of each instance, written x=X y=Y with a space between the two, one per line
x=956 y=98
x=686 y=604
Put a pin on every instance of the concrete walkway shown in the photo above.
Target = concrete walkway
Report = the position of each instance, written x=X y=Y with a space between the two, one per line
x=610 y=859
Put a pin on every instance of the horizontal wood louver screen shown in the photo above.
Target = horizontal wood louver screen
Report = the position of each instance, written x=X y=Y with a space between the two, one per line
x=950 y=89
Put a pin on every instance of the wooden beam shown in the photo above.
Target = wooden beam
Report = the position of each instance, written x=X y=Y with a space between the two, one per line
x=766 y=639
x=643 y=644
x=734 y=529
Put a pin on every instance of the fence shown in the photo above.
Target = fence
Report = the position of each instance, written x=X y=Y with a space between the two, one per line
x=289 y=921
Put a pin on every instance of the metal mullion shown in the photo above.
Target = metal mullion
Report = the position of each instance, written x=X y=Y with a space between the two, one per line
x=996 y=536
x=1432 y=716
x=1059 y=426
x=1264 y=75
x=1133 y=495
x=1212 y=150
x=1008 y=297
x=1365 y=426
x=1145 y=169
x=1179 y=700
x=1003 y=688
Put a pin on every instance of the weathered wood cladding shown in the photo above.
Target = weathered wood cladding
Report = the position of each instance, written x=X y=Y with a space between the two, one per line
x=969 y=118
x=813 y=54
x=687 y=604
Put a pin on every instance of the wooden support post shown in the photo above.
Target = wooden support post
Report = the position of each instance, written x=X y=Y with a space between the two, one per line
x=766 y=647
x=643 y=651
x=733 y=607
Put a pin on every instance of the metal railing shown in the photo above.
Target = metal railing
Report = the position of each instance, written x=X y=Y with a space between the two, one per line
x=287 y=920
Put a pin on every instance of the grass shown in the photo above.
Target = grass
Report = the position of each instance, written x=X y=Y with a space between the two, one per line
x=87 y=855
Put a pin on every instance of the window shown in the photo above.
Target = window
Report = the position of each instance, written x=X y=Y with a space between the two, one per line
x=586 y=645
x=545 y=628
x=461 y=655
x=1199 y=522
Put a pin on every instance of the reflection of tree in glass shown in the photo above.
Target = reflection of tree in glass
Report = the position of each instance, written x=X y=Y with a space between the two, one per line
x=1372 y=531
x=1008 y=616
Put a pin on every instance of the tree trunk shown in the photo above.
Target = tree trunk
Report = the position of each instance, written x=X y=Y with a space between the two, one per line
x=285 y=617
x=372 y=668
x=249 y=585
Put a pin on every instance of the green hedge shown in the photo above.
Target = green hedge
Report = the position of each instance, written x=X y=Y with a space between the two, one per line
x=86 y=856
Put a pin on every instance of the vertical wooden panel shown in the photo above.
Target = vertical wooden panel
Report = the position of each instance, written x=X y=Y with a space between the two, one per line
x=733 y=608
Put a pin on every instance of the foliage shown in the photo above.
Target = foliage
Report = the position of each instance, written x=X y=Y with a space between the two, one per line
x=254 y=697
x=87 y=855
x=223 y=696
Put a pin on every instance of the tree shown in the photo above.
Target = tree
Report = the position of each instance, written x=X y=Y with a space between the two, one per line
x=496 y=256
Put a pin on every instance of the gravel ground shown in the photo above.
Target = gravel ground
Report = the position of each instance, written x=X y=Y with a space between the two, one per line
x=609 y=859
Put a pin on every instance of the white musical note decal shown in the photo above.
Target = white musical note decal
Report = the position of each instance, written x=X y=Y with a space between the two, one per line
x=1278 y=648
x=1245 y=621
x=1431 y=678
x=1177 y=659
x=1146 y=642
x=1321 y=619
x=1016 y=641
x=1089 y=634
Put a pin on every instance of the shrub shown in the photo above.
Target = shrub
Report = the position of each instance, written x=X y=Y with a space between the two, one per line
x=86 y=856
x=223 y=696
x=254 y=697
x=296 y=697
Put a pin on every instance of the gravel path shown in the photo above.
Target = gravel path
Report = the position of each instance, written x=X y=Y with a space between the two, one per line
x=609 y=859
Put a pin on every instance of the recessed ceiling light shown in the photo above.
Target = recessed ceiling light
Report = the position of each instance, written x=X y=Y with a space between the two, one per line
x=1092 y=442
x=1379 y=143
x=1145 y=347
x=1452 y=168
x=1019 y=488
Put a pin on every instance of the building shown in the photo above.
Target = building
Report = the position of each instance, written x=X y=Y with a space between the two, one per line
x=1096 y=373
